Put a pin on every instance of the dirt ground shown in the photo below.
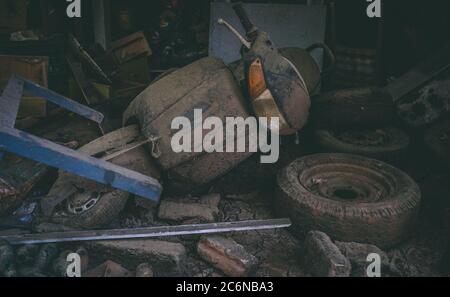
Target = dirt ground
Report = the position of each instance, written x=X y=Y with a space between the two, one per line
x=246 y=194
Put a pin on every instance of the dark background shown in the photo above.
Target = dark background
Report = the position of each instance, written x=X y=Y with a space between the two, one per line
x=411 y=29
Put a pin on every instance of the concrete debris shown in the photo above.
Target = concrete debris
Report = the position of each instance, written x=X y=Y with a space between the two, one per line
x=165 y=257
x=50 y=228
x=204 y=209
x=357 y=253
x=31 y=272
x=105 y=167
x=26 y=254
x=279 y=268
x=227 y=255
x=144 y=270
x=6 y=259
x=322 y=258
x=108 y=269
x=46 y=255
x=41 y=262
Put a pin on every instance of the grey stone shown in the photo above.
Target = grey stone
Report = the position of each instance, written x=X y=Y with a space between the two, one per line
x=51 y=227
x=13 y=232
x=165 y=257
x=144 y=270
x=279 y=268
x=322 y=258
x=6 y=256
x=204 y=209
x=226 y=255
x=357 y=253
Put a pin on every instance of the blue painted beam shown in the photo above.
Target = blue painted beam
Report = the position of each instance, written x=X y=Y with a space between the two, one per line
x=54 y=155
x=10 y=101
x=61 y=101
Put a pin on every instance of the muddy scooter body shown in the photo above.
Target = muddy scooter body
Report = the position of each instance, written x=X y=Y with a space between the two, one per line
x=209 y=85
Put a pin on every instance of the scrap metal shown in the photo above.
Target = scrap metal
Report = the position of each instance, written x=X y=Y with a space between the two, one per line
x=151 y=232
x=54 y=155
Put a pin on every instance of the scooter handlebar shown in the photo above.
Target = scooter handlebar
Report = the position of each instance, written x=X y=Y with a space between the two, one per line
x=245 y=20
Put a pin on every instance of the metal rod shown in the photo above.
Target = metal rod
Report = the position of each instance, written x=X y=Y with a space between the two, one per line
x=125 y=150
x=246 y=43
x=151 y=232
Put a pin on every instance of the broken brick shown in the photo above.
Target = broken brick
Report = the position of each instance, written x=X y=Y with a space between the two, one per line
x=204 y=209
x=226 y=255
x=322 y=258
x=164 y=256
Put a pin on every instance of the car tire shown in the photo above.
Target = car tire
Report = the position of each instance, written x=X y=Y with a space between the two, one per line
x=351 y=198
x=437 y=139
x=353 y=107
x=106 y=209
x=386 y=144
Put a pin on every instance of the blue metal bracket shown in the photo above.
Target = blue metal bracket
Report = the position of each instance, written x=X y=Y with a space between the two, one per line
x=54 y=155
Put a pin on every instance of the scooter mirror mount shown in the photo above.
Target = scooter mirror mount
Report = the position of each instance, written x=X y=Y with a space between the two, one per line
x=244 y=41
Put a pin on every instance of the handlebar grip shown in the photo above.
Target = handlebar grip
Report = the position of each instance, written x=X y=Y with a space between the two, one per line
x=242 y=14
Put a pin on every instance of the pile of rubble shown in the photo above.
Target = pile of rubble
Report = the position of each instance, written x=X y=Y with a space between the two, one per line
x=136 y=207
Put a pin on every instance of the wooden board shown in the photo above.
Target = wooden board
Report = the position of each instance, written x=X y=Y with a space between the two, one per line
x=32 y=68
x=130 y=47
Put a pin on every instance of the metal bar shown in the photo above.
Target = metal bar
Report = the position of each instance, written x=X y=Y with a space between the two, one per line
x=89 y=94
x=62 y=101
x=51 y=154
x=84 y=55
x=10 y=101
x=151 y=232
x=126 y=149
x=86 y=88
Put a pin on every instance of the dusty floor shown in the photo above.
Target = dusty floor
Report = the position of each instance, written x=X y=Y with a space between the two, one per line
x=246 y=195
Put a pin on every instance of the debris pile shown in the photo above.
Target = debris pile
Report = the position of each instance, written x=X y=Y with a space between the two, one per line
x=96 y=181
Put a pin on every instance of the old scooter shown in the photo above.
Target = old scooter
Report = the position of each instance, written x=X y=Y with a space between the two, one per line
x=275 y=88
